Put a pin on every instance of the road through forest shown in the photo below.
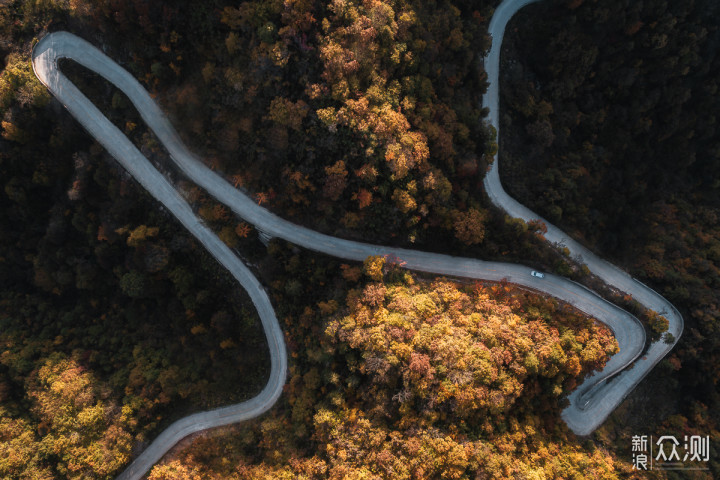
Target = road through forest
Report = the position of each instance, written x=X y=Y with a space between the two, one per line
x=590 y=403
x=604 y=397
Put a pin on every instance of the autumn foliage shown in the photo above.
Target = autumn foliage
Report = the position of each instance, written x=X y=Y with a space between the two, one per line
x=422 y=380
x=610 y=132
x=363 y=111
x=446 y=352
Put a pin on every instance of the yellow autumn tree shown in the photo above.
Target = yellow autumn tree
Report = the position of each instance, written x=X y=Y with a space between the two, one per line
x=81 y=426
x=373 y=267
x=140 y=234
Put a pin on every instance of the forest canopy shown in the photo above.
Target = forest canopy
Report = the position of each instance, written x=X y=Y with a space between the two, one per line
x=416 y=379
x=609 y=128
x=362 y=119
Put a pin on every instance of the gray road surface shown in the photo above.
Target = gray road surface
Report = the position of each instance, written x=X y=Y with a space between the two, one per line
x=586 y=412
x=583 y=415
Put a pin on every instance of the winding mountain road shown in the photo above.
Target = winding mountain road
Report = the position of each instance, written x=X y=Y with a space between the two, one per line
x=590 y=404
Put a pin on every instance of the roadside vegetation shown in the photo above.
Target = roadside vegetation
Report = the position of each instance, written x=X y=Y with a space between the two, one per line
x=609 y=130
x=359 y=119
x=406 y=377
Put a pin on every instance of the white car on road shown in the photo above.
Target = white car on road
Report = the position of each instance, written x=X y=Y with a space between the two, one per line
x=537 y=274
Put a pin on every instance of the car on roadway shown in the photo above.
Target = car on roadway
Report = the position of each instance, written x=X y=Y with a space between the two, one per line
x=537 y=274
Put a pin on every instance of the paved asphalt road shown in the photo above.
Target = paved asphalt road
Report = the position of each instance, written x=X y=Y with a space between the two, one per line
x=45 y=57
x=587 y=410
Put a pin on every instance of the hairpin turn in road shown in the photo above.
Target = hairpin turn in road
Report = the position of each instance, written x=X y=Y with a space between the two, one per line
x=590 y=403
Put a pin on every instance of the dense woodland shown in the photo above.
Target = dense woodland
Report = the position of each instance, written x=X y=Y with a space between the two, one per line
x=355 y=117
x=360 y=119
x=416 y=378
x=609 y=129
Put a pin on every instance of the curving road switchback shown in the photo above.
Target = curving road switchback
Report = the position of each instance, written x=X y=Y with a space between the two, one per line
x=590 y=404
x=595 y=397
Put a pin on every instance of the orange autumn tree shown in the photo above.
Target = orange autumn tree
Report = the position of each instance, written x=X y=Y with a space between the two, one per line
x=390 y=88
x=363 y=43
x=470 y=226
x=440 y=348
x=423 y=380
